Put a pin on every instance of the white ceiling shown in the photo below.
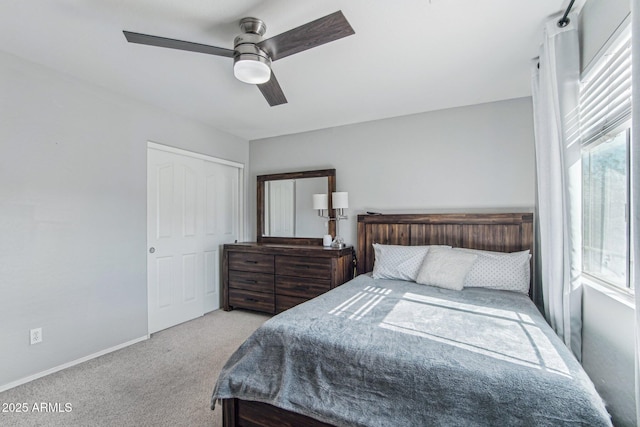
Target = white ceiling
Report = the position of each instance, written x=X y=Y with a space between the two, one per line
x=406 y=57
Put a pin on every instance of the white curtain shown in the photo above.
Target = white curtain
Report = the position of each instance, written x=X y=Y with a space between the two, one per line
x=555 y=87
x=635 y=186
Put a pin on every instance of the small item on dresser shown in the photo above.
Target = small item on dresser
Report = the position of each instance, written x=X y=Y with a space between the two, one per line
x=326 y=240
x=338 y=243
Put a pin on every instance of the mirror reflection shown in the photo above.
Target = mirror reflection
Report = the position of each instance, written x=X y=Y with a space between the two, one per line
x=288 y=208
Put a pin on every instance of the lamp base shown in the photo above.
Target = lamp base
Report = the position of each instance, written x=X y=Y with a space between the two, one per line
x=338 y=243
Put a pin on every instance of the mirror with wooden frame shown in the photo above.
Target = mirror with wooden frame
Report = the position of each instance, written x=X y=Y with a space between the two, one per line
x=284 y=207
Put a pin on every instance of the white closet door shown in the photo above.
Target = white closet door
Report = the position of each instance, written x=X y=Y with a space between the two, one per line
x=222 y=223
x=192 y=208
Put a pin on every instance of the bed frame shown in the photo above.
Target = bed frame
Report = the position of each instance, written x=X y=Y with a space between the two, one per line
x=500 y=232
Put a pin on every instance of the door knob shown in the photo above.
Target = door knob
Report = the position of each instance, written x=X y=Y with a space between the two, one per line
x=152 y=250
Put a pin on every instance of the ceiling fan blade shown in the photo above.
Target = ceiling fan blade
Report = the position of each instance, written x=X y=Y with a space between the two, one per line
x=176 y=44
x=315 y=33
x=272 y=91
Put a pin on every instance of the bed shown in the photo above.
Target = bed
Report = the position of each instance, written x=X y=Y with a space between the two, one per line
x=383 y=351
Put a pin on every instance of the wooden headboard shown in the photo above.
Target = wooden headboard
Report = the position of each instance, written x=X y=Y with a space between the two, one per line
x=500 y=232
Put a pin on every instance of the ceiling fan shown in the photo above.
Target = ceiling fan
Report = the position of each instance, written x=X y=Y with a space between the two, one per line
x=252 y=55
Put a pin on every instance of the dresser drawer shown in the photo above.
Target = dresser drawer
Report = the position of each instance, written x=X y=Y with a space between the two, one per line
x=241 y=298
x=247 y=261
x=285 y=302
x=259 y=282
x=301 y=286
x=319 y=268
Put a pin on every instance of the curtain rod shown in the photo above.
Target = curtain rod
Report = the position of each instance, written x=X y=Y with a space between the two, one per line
x=564 y=21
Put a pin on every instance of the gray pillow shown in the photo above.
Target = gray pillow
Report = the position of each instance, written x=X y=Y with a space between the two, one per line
x=398 y=262
x=445 y=268
x=499 y=270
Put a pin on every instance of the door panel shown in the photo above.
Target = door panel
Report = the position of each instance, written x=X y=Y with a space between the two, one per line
x=224 y=190
x=164 y=273
x=210 y=204
x=164 y=219
x=189 y=277
x=189 y=201
x=222 y=218
x=190 y=204
x=211 y=272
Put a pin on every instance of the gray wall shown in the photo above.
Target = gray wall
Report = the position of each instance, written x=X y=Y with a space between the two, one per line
x=73 y=213
x=471 y=157
x=608 y=339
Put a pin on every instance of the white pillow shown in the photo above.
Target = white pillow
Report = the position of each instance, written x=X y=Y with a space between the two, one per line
x=445 y=268
x=398 y=262
x=499 y=270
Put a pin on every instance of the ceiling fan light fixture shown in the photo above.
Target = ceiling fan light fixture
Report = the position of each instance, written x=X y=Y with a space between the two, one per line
x=252 y=54
x=252 y=69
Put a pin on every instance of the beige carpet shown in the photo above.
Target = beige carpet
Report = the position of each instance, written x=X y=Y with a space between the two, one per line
x=164 y=381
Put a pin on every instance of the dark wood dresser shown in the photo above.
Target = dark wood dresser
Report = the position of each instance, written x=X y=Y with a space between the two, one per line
x=273 y=277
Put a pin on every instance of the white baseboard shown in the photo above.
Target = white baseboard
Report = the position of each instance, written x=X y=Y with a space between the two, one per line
x=25 y=380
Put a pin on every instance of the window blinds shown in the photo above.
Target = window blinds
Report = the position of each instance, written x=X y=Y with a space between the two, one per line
x=605 y=96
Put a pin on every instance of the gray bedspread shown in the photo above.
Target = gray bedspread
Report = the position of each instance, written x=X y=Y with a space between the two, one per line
x=393 y=353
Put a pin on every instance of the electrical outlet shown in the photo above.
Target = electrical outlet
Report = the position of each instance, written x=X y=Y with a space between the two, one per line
x=36 y=335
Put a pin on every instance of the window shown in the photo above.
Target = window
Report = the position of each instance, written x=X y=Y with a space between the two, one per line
x=605 y=193
x=605 y=122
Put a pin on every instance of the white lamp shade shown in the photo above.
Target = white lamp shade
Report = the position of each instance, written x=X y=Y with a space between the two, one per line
x=251 y=71
x=340 y=200
x=320 y=201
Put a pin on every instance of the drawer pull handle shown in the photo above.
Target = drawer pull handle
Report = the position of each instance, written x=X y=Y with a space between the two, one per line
x=250 y=262
x=252 y=300
x=250 y=281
